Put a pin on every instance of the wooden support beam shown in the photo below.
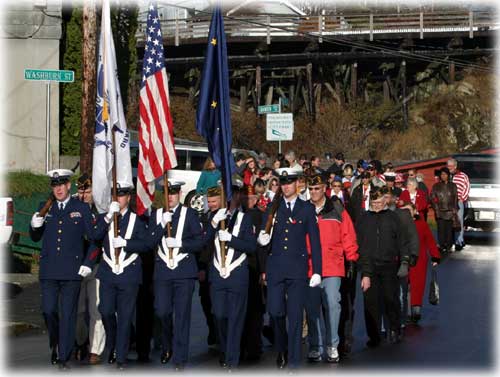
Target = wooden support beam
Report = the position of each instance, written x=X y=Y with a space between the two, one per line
x=317 y=97
x=298 y=88
x=451 y=69
x=354 y=81
x=269 y=96
x=307 y=103
x=403 y=87
x=310 y=90
x=243 y=96
x=258 y=87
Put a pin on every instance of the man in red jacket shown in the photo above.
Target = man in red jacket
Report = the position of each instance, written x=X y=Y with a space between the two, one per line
x=338 y=242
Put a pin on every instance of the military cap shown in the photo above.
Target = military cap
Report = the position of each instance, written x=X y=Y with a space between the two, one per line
x=174 y=186
x=123 y=188
x=84 y=182
x=288 y=175
x=59 y=176
x=317 y=179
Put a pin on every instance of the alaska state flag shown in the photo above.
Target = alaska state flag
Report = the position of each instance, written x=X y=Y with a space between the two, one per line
x=213 y=117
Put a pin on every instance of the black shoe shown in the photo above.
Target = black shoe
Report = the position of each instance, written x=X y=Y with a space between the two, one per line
x=458 y=247
x=372 y=343
x=112 y=357
x=282 y=360
x=222 y=360
x=64 y=366
x=165 y=357
x=179 y=367
x=394 y=337
x=415 y=313
x=54 y=359
x=121 y=366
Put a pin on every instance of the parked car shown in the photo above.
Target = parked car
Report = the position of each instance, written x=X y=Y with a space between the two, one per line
x=6 y=219
x=483 y=205
x=191 y=156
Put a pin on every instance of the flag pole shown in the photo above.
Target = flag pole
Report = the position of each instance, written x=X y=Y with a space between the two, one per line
x=223 y=227
x=169 y=225
x=114 y=196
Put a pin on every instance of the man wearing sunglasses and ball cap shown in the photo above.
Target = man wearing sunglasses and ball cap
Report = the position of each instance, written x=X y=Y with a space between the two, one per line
x=287 y=265
x=64 y=229
x=176 y=271
x=119 y=282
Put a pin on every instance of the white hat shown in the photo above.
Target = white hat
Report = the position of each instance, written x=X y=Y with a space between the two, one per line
x=288 y=174
x=59 y=176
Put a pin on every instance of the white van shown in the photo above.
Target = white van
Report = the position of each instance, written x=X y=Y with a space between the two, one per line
x=191 y=156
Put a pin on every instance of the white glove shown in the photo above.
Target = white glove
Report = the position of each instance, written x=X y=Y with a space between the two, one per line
x=119 y=242
x=219 y=216
x=263 y=238
x=172 y=242
x=225 y=236
x=166 y=218
x=315 y=280
x=84 y=271
x=114 y=207
x=37 y=221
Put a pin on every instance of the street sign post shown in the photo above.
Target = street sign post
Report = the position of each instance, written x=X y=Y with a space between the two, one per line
x=279 y=127
x=48 y=75
x=268 y=109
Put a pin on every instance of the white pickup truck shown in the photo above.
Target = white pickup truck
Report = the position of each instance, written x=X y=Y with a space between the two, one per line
x=483 y=205
x=6 y=219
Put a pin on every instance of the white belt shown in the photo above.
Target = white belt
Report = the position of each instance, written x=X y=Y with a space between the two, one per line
x=225 y=272
x=176 y=256
x=122 y=262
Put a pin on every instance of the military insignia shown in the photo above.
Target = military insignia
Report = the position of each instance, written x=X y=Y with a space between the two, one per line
x=55 y=175
x=284 y=173
x=75 y=214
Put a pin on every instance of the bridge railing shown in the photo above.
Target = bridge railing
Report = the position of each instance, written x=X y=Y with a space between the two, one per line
x=186 y=30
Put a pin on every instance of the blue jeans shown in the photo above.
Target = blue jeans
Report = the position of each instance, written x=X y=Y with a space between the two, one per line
x=327 y=297
x=460 y=235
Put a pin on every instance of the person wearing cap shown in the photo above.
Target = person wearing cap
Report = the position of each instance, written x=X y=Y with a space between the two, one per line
x=376 y=171
x=120 y=280
x=65 y=258
x=174 y=277
x=383 y=260
x=339 y=192
x=360 y=197
x=251 y=345
x=338 y=244
x=92 y=334
x=261 y=160
x=390 y=180
x=410 y=242
x=287 y=266
x=444 y=201
x=229 y=283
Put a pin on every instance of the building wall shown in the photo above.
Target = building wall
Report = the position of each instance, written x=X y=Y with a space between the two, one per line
x=30 y=39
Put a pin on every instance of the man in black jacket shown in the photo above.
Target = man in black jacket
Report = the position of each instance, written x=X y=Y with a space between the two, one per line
x=383 y=260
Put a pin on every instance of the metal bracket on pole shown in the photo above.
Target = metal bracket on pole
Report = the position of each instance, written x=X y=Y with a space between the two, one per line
x=47 y=130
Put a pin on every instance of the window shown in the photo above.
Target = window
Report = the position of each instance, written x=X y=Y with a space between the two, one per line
x=181 y=159
x=198 y=160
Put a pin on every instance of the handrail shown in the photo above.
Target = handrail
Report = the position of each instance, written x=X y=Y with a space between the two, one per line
x=185 y=29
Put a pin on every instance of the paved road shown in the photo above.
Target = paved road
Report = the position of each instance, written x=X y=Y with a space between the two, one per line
x=457 y=335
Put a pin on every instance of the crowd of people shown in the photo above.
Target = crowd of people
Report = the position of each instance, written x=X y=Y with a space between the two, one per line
x=285 y=254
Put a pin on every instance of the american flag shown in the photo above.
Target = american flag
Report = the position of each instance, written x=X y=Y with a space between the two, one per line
x=156 y=137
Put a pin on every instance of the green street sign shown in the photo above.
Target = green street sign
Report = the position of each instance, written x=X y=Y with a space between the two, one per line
x=268 y=109
x=49 y=75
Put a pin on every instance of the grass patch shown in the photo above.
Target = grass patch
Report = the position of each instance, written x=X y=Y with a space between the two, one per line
x=25 y=183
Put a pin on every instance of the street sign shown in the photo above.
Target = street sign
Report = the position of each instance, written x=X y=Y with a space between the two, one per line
x=279 y=127
x=49 y=75
x=268 y=109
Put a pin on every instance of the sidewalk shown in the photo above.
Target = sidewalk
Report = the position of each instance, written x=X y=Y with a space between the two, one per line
x=20 y=304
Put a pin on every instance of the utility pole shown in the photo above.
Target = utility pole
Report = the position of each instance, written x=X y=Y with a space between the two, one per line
x=88 y=85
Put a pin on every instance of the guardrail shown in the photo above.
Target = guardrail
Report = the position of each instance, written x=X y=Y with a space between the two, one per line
x=188 y=30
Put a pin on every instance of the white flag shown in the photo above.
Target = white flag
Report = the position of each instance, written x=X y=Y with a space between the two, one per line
x=109 y=118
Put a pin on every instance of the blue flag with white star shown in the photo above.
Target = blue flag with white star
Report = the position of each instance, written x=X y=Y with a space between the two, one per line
x=213 y=117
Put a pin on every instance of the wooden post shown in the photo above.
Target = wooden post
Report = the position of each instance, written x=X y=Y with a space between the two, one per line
x=371 y=26
x=471 y=24
x=452 y=72
x=258 y=87
x=88 y=85
x=403 y=86
x=243 y=96
x=421 y=24
x=354 y=80
x=268 y=37
x=114 y=196
x=223 y=227
x=177 y=27
x=310 y=91
x=269 y=97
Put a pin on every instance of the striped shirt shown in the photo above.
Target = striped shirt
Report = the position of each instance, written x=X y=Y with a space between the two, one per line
x=463 y=186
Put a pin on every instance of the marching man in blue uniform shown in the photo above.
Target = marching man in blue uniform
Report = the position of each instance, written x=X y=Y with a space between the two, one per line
x=64 y=229
x=175 y=272
x=119 y=280
x=287 y=265
x=229 y=284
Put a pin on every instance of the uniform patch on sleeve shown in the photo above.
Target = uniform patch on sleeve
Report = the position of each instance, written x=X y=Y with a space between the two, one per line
x=75 y=214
